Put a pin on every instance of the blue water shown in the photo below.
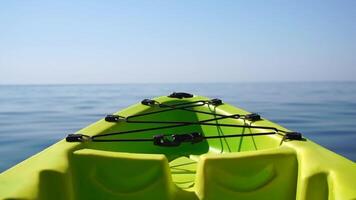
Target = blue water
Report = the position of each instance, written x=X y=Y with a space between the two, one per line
x=34 y=117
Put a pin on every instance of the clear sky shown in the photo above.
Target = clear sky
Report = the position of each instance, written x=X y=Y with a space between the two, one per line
x=86 y=41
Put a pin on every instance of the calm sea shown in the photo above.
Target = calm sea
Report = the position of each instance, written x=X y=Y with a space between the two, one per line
x=34 y=117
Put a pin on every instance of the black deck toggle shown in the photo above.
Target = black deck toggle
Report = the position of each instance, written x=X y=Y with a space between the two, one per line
x=148 y=102
x=180 y=95
x=176 y=139
x=293 y=136
x=253 y=117
x=114 y=118
x=216 y=102
x=77 y=138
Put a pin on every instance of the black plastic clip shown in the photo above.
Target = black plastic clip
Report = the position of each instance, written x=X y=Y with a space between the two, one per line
x=165 y=140
x=114 y=118
x=293 y=136
x=180 y=95
x=177 y=139
x=77 y=138
x=148 y=102
x=215 y=102
x=194 y=137
x=253 y=117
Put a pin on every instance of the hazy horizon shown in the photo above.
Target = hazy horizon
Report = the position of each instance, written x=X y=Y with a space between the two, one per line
x=177 y=83
x=112 y=42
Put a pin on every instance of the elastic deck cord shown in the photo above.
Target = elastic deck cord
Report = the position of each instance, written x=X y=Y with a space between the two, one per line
x=182 y=106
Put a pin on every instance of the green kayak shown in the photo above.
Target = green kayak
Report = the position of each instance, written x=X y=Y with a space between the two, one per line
x=182 y=147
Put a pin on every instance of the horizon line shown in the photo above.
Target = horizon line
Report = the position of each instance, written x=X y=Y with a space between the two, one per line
x=179 y=83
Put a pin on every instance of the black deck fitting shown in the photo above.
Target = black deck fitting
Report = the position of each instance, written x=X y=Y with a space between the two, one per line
x=114 y=118
x=253 y=117
x=180 y=95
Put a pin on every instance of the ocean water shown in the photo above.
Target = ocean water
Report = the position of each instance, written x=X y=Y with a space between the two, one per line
x=35 y=116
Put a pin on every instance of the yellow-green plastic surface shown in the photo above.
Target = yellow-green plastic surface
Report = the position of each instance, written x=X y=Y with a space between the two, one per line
x=257 y=167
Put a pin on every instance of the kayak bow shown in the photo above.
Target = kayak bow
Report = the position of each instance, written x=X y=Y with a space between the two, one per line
x=182 y=146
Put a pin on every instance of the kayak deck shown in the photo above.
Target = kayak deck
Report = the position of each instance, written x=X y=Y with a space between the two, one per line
x=249 y=167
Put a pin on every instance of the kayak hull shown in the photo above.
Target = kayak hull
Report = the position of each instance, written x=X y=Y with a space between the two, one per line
x=256 y=167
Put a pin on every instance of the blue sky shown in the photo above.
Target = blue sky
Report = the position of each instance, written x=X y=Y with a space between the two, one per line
x=49 y=42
